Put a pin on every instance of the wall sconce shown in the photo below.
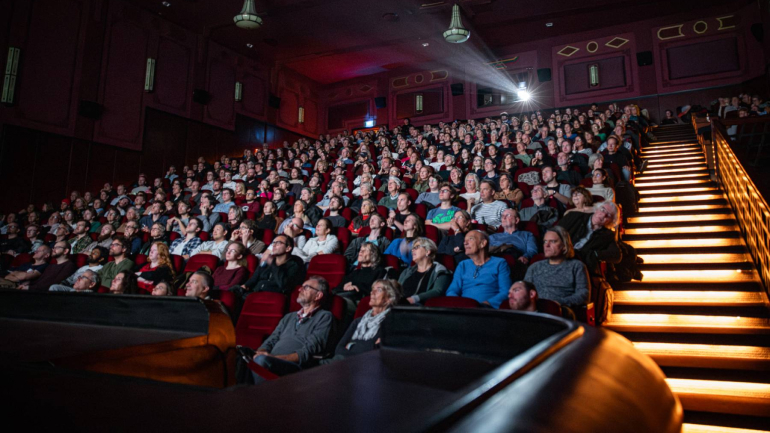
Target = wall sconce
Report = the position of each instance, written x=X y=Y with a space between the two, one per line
x=9 y=81
x=238 y=91
x=418 y=103
x=149 y=75
x=593 y=74
x=301 y=114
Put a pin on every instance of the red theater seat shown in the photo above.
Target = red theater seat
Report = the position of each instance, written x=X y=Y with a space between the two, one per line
x=363 y=307
x=451 y=302
x=330 y=266
x=261 y=313
x=199 y=260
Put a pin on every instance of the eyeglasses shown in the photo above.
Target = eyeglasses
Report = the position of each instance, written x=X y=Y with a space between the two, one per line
x=309 y=287
x=279 y=242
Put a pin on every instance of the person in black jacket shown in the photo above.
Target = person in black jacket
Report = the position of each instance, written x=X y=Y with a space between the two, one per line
x=279 y=271
x=598 y=243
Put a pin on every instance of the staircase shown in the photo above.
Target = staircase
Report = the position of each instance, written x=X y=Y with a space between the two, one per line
x=700 y=312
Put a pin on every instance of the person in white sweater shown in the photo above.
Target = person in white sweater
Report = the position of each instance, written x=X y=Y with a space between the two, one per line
x=323 y=243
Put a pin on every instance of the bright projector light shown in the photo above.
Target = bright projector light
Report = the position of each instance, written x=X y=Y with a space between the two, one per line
x=524 y=95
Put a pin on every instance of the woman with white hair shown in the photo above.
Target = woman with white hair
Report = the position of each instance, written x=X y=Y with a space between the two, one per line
x=363 y=334
x=426 y=279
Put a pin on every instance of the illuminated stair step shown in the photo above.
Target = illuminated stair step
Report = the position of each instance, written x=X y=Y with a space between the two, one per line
x=685 y=323
x=650 y=259
x=680 y=218
x=687 y=298
x=741 y=398
x=685 y=243
x=678 y=190
x=672 y=160
x=674 y=170
x=641 y=184
x=654 y=231
x=684 y=208
x=676 y=164
x=671 y=149
x=681 y=153
x=707 y=355
x=671 y=141
x=702 y=275
x=701 y=428
x=645 y=178
x=696 y=197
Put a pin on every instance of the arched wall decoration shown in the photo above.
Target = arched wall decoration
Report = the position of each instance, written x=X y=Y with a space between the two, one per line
x=700 y=27
x=670 y=32
x=726 y=22
x=592 y=46
x=399 y=82
x=418 y=79
x=438 y=75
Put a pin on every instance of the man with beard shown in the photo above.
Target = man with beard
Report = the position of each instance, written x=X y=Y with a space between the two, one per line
x=96 y=260
x=81 y=240
x=103 y=240
x=55 y=272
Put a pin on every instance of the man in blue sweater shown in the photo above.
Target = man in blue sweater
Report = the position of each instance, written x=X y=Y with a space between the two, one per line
x=482 y=277
x=522 y=242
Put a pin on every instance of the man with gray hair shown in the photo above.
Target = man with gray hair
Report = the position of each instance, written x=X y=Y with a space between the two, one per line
x=594 y=235
x=540 y=212
x=300 y=335
x=87 y=282
x=390 y=200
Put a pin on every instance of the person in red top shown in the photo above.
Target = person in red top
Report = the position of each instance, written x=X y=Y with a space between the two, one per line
x=157 y=269
x=234 y=272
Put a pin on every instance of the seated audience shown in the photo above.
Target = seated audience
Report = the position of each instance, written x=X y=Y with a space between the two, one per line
x=540 y=212
x=426 y=279
x=454 y=244
x=601 y=186
x=364 y=333
x=157 y=234
x=96 y=260
x=14 y=243
x=508 y=190
x=86 y=282
x=28 y=272
x=594 y=235
x=324 y=242
x=104 y=239
x=234 y=271
x=299 y=336
x=199 y=285
x=402 y=247
x=119 y=252
x=582 y=200
x=376 y=236
x=482 y=277
x=441 y=217
x=158 y=267
x=488 y=210
x=163 y=288
x=245 y=234
x=520 y=243
x=560 y=277
x=367 y=209
x=279 y=271
x=123 y=283
x=55 y=272
x=216 y=246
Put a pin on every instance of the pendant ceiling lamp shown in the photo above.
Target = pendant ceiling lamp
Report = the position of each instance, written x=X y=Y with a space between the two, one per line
x=248 y=18
x=456 y=34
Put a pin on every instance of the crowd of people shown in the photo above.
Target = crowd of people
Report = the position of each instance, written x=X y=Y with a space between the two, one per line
x=504 y=211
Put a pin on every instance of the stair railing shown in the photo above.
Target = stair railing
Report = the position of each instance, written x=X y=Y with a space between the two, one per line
x=750 y=207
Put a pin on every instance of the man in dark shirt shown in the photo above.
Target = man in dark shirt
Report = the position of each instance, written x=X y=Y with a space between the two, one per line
x=614 y=155
x=300 y=335
x=54 y=273
x=280 y=271
x=14 y=244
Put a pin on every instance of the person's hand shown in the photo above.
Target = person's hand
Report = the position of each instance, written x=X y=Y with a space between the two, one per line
x=411 y=300
x=24 y=286
x=524 y=259
x=235 y=235
x=260 y=352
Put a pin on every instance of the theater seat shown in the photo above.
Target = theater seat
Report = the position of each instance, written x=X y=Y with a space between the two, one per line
x=451 y=302
x=80 y=260
x=21 y=259
x=252 y=262
x=432 y=233
x=447 y=260
x=330 y=266
x=343 y=236
x=178 y=262
x=195 y=262
x=141 y=260
x=261 y=313
x=204 y=236
x=363 y=307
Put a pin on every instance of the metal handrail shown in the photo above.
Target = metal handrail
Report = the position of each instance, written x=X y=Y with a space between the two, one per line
x=750 y=207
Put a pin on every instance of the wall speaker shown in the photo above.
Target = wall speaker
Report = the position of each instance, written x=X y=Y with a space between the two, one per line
x=457 y=89
x=758 y=30
x=90 y=109
x=201 y=96
x=644 y=58
x=274 y=101
x=544 y=75
x=381 y=102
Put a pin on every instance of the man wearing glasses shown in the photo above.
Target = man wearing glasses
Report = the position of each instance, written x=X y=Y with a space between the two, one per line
x=87 y=282
x=300 y=335
x=119 y=252
x=280 y=271
x=54 y=273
